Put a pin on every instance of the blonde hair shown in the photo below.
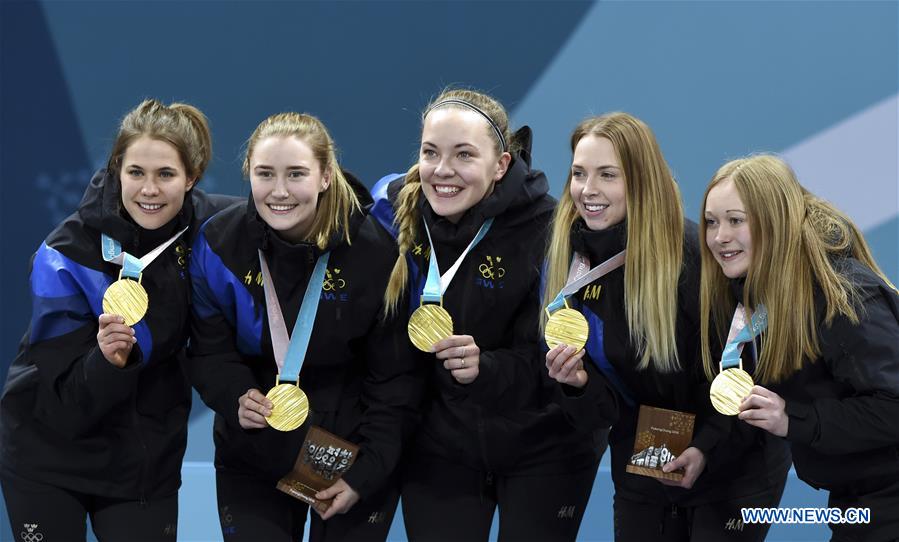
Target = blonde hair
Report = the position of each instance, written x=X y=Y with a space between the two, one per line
x=794 y=236
x=181 y=125
x=655 y=238
x=338 y=201
x=406 y=216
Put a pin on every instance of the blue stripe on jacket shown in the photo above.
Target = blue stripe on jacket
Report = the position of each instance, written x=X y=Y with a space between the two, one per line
x=596 y=349
x=217 y=291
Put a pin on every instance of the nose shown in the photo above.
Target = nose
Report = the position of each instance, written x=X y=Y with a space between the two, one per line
x=591 y=185
x=443 y=169
x=722 y=234
x=280 y=188
x=149 y=188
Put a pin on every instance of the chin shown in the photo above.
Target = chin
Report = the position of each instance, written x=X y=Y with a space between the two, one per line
x=733 y=273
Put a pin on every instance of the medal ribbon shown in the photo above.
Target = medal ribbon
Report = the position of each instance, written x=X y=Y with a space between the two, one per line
x=741 y=334
x=290 y=352
x=436 y=284
x=131 y=267
x=577 y=278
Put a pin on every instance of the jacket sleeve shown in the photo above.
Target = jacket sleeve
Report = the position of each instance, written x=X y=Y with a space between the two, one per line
x=391 y=391
x=864 y=358
x=213 y=363
x=595 y=406
x=77 y=386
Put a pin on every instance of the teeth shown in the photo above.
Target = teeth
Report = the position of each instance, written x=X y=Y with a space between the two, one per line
x=447 y=189
x=593 y=207
x=281 y=207
x=729 y=254
x=150 y=206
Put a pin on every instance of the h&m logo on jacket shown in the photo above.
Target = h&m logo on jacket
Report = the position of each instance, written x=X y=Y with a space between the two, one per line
x=248 y=278
x=420 y=250
x=491 y=273
x=334 y=285
x=591 y=292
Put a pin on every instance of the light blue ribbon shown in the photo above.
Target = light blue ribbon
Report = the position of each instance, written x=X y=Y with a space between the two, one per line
x=435 y=285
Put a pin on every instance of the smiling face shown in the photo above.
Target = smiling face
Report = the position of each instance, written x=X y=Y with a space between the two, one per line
x=598 y=186
x=286 y=180
x=727 y=230
x=458 y=161
x=154 y=182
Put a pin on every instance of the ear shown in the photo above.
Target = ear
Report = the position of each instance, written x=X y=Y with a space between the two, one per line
x=502 y=166
x=326 y=180
x=190 y=184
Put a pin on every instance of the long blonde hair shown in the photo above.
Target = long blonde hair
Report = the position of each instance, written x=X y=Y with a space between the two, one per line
x=794 y=236
x=655 y=238
x=338 y=201
x=406 y=216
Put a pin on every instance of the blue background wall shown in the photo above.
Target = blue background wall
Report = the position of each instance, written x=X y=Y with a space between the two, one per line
x=815 y=81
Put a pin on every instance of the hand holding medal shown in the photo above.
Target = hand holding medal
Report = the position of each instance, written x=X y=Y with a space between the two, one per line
x=461 y=356
x=253 y=409
x=430 y=323
x=566 y=365
x=733 y=384
x=115 y=339
x=766 y=410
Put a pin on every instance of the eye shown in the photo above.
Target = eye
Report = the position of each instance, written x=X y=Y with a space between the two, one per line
x=167 y=174
x=609 y=175
x=577 y=174
x=135 y=172
x=736 y=221
x=264 y=174
x=297 y=174
x=465 y=155
x=709 y=222
x=428 y=153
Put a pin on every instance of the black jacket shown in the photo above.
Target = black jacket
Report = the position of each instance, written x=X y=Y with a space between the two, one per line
x=843 y=407
x=69 y=417
x=741 y=460
x=358 y=374
x=504 y=421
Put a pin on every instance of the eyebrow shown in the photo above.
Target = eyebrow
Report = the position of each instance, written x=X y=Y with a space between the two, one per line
x=289 y=168
x=609 y=166
x=456 y=146
x=138 y=166
x=708 y=212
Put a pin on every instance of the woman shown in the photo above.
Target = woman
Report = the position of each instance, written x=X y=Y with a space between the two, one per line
x=827 y=363
x=621 y=205
x=94 y=412
x=326 y=263
x=488 y=437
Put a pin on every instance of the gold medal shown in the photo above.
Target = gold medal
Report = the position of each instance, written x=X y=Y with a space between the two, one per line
x=127 y=298
x=729 y=389
x=566 y=326
x=428 y=325
x=291 y=407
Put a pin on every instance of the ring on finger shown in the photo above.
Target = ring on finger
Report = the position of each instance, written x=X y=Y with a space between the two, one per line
x=462 y=366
